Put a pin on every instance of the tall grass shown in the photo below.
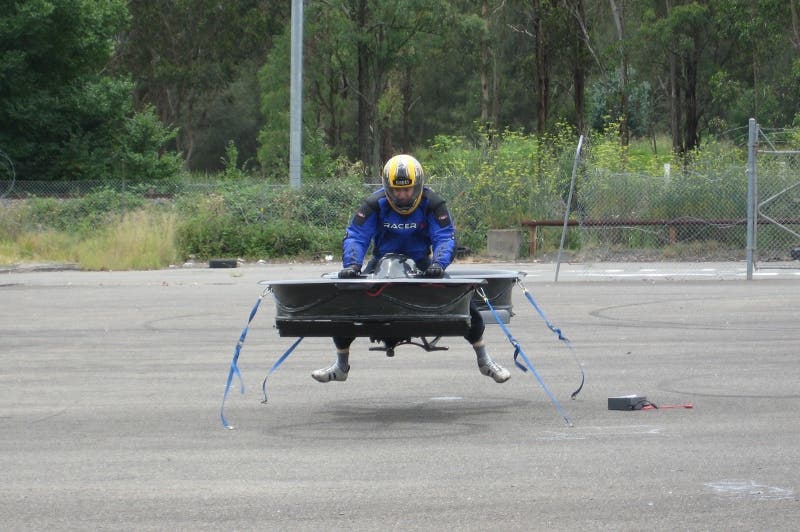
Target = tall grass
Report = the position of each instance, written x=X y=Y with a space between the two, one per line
x=141 y=240
x=137 y=240
x=37 y=246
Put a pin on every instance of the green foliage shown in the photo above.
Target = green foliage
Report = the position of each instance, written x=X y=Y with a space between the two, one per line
x=63 y=115
x=712 y=181
x=606 y=195
x=142 y=148
x=708 y=184
x=258 y=220
x=82 y=215
x=140 y=238
x=232 y=114
x=319 y=158
x=195 y=60
x=218 y=235
x=273 y=151
x=231 y=163
x=607 y=154
x=605 y=104
x=377 y=80
x=500 y=178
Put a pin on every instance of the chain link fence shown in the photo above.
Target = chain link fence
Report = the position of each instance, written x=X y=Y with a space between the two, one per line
x=777 y=197
x=22 y=189
x=696 y=212
x=686 y=215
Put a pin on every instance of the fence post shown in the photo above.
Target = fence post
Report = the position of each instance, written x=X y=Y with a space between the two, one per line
x=751 y=186
x=296 y=97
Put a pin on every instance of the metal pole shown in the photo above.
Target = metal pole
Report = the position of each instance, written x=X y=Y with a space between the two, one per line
x=296 y=97
x=569 y=205
x=751 y=185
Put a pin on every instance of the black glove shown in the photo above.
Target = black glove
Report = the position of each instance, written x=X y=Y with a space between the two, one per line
x=434 y=270
x=351 y=272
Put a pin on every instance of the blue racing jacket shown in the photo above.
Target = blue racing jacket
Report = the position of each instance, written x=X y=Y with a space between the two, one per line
x=426 y=235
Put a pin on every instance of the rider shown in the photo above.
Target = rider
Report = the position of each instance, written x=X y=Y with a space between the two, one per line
x=409 y=218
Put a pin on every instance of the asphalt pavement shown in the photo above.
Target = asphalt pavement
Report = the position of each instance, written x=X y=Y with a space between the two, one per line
x=111 y=390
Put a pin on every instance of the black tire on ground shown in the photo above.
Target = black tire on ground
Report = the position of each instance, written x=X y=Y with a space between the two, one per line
x=222 y=263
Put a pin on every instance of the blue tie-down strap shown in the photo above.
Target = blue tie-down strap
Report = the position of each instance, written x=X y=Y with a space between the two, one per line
x=518 y=352
x=558 y=333
x=276 y=365
x=234 y=369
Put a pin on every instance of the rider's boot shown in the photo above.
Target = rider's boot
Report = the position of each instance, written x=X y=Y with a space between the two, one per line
x=336 y=371
x=488 y=366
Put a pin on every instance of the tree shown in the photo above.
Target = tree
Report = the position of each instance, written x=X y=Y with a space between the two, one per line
x=187 y=56
x=544 y=55
x=618 y=13
x=61 y=115
x=273 y=139
x=392 y=41
x=384 y=76
x=581 y=45
x=683 y=35
x=718 y=62
x=754 y=79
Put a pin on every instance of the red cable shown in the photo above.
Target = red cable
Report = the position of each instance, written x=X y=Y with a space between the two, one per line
x=651 y=406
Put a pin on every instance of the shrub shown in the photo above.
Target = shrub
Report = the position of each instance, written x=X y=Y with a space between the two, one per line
x=501 y=178
x=258 y=220
x=81 y=215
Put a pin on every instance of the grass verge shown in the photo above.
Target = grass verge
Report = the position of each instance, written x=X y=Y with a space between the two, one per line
x=138 y=240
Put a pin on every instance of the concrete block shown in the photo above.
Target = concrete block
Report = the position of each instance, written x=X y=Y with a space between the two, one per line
x=504 y=243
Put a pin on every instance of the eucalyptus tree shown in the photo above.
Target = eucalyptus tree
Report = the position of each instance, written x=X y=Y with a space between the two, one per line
x=717 y=62
x=359 y=63
x=391 y=38
x=551 y=53
x=459 y=74
x=581 y=52
x=186 y=54
x=759 y=74
x=681 y=35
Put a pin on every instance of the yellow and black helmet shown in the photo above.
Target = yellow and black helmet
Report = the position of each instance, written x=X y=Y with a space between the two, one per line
x=403 y=171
